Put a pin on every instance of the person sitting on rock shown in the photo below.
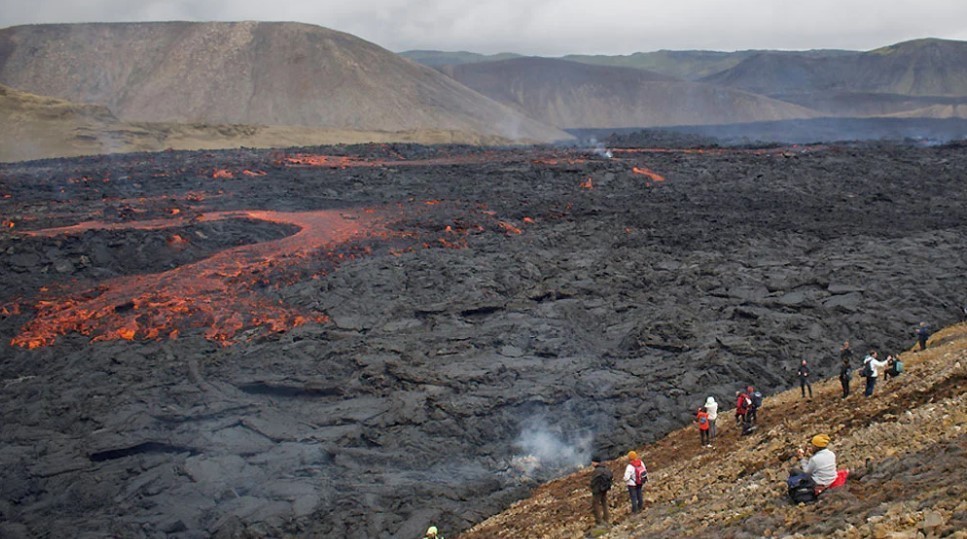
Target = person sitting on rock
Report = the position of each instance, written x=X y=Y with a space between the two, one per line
x=821 y=465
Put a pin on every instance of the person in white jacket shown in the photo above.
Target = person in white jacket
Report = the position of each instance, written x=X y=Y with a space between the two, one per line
x=635 y=477
x=821 y=465
x=875 y=365
x=712 y=408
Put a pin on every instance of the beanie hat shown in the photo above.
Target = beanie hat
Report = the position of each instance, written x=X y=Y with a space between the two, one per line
x=632 y=455
x=820 y=440
x=710 y=400
x=431 y=531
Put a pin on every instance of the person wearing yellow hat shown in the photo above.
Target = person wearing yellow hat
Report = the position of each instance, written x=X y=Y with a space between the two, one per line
x=432 y=533
x=821 y=465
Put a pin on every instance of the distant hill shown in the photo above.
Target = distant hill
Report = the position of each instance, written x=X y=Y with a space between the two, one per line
x=444 y=58
x=249 y=73
x=574 y=95
x=878 y=82
x=36 y=127
x=690 y=65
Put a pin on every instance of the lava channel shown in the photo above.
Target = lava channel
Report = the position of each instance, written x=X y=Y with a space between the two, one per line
x=219 y=293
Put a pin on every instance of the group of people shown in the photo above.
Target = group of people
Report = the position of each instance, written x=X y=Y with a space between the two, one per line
x=816 y=471
x=891 y=367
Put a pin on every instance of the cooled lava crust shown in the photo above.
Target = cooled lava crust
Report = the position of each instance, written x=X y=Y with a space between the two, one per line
x=362 y=341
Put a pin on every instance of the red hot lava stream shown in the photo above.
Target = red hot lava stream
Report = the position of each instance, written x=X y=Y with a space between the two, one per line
x=218 y=293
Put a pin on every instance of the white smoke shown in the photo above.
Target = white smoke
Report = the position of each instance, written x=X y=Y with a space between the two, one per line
x=600 y=149
x=542 y=449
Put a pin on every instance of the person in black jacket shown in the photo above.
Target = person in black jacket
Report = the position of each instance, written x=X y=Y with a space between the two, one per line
x=923 y=332
x=601 y=480
x=845 y=368
x=803 y=374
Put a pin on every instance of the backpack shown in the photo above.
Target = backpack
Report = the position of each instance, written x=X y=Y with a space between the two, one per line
x=897 y=367
x=600 y=482
x=641 y=475
x=801 y=488
x=757 y=399
x=867 y=370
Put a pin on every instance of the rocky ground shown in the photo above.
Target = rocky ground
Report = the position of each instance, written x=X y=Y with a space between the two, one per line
x=905 y=447
x=500 y=315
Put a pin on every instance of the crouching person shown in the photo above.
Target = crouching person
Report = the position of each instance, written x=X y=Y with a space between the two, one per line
x=819 y=470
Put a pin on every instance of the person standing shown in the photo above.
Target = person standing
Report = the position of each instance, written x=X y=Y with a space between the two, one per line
x=701 y=417
x=923 y=332
x=755 y=400
x=712 y=409
x=601 y=480
x=871 y=366
x=803 y=374
x=636 y=475
x=845 y=368
x=742 y=403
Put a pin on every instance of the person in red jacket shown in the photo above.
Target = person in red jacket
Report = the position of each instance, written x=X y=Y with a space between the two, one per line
x=742 y=403
x=701 y=417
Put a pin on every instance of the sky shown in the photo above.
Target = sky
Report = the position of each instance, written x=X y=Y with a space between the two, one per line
x=553 y=27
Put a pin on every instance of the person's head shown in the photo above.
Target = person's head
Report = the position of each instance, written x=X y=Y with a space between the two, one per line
x=923 y=324
x=845 y=344
x=819 y=442
x=710 y=401
x=632 y=455
x=431 y=531
x=595 y=460
x=804 y=363
x=749 y=389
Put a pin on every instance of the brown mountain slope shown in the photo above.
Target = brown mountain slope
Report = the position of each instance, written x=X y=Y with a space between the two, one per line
x=248 y=73
x=36 y=127
x=575 y=95
x=906 y=447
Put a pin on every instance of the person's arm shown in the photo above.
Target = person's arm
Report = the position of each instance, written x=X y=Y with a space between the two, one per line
x=629 y=473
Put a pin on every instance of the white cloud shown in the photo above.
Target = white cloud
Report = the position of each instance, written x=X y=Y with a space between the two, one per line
x=554 y=27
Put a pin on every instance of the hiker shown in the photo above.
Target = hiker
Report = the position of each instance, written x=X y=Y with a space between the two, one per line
x=601 y=479
x=922 y=333
x=755 y=400
x=432 y=533
x=821 y=465
x=701 y=417
x=846 y=367
x=894 y=367
x=741 y=407
x=712 y=409
x=636 y=475
x=871 y=367
x=803 y=374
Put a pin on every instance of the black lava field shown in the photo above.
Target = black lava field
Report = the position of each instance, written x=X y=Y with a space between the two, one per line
x=362 y=341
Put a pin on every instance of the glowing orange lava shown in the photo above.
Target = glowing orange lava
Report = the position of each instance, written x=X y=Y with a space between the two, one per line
x=651 y=174
x=220 y=293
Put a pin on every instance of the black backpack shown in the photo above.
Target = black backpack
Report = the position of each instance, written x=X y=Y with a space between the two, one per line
x=867 y=370
x=757 y=399
x=802 y=489
x=600 y=482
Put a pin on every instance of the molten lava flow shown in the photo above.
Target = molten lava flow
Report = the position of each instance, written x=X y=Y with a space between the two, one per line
x=219 y=293
x=587 y=184
x=221 y=173
x=654 y=176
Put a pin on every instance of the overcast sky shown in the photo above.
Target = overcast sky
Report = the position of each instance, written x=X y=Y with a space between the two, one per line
x=553 y=27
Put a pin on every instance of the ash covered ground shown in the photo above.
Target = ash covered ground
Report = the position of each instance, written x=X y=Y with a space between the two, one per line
x=366 y=340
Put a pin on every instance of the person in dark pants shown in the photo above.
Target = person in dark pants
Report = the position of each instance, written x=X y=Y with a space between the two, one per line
x=875 y=365
x=846 y=367
x=636 y=475
x=803 y=374
x=923 y=332
x=601 y=479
